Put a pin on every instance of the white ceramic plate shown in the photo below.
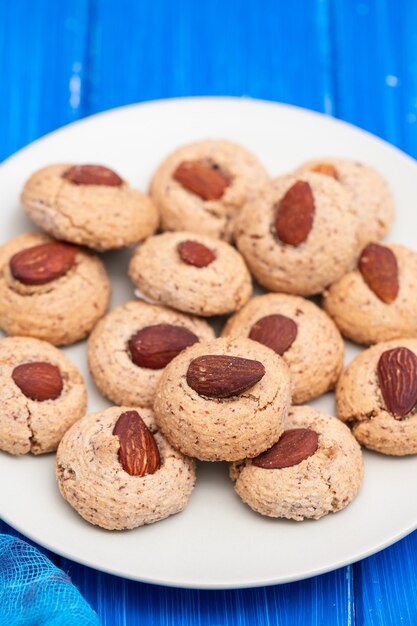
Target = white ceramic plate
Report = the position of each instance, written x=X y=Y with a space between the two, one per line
x=217 y=542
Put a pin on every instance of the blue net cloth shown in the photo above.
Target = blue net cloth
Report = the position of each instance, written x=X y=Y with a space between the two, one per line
x=33 y=592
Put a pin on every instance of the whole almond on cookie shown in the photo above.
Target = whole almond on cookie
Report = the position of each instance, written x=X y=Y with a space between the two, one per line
x=38 y=380
x=379 y=268
x=294 y=446
x=377 y=395
x=315 y=468
x=278 y=332
x=155 y=346
x=92 y=175
x=138 y=452
x=223 y=400
x=106 y=493
x=295 y=214
x=41 y=264
x=397 y=377
x=222 y=376
x=195 y=253
x=200 y=178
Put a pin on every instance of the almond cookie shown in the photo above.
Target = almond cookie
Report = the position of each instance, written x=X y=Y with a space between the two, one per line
x=41 y=395
x=377 y=301
x=299 y=234
x=315 y=468
x=117 y=471
x=129 y=348
x=89 y=205
x=201 y=187
x=301 y=333
x=192 y=273
x=377 y=395
x=223 y=400
x=50 y=290
x=371 y=196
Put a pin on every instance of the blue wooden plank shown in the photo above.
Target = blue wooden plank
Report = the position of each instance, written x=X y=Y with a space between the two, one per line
x=375 y=67
x=373 y=48
x=42 y=63
x=325 y=599
x=267 y=49
x=406 y=41
x=386 y=586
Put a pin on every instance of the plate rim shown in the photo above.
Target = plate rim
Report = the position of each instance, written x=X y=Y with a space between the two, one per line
x=207 y=98
x=222 y=585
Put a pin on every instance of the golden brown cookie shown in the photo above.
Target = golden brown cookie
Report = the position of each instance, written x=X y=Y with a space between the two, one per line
x=201 y=187
x=192 y=273
x=41 y=395
x=301 y=333
x=129 y=348
x=377 y=301
x=377 y=396
x=224 y=399
x=371 y=195
x=299 y=234
x=315 y=468
x=117 y=471
x=50 y=290
x=89 y=205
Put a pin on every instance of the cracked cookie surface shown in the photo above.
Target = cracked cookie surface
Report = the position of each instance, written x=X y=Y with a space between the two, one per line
x=109 y=358
x=362 y=316
x=215 y=429
x=93 y=481
x=325 y=482
x=158 y=271
x=360 y=403
x=329 y=250
x=28 y=425
x=315 y=356
x=371 y=195
x=101 y=217
x=61 y=311
x=183 y=210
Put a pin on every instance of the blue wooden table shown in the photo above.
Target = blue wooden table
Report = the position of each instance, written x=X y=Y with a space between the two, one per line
x=353 y=59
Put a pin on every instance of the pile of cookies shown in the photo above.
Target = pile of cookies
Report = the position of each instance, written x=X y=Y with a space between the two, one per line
x=178 y=392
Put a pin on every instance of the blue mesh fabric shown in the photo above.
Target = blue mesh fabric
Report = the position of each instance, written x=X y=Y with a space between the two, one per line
x=34 y=592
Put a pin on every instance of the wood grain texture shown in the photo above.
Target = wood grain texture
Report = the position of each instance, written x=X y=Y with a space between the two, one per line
x=385 y=586
x=356 y=60
x=373 y=46
x=326 y=599
x=167 y=49
x=42 y=50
